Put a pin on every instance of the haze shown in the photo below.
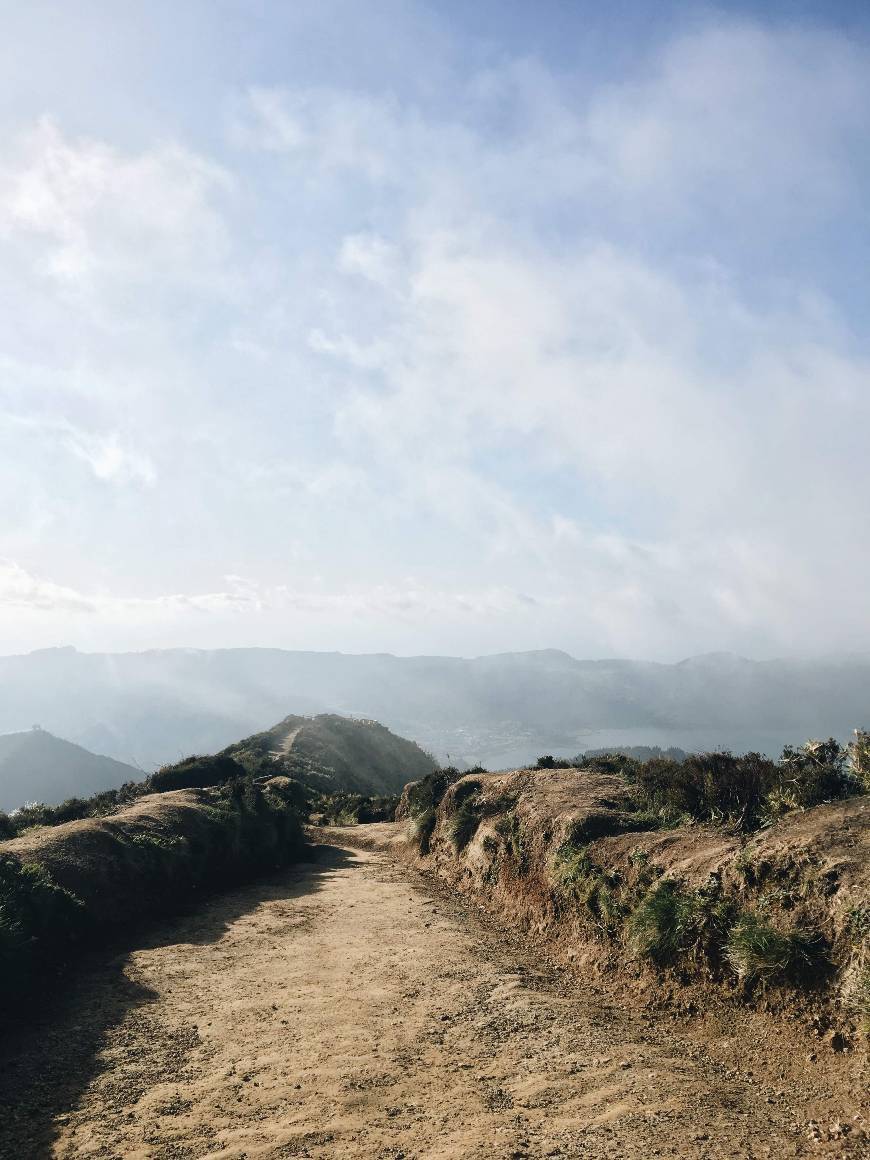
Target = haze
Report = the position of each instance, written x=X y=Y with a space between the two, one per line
x=402 y=327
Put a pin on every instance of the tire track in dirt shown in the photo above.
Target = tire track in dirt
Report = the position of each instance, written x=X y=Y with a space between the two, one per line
x=343 y=1010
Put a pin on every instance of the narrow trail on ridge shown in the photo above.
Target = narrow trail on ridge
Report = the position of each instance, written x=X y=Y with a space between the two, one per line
x=348 y=1008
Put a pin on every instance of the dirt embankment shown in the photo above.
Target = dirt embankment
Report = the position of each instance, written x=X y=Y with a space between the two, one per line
x=351 y=1008
x=63 y=887
x=765 y=936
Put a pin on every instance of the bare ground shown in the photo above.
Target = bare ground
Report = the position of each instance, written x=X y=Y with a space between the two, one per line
x=348 y=1008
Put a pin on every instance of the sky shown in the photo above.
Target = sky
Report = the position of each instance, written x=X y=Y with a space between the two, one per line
x=435 y=327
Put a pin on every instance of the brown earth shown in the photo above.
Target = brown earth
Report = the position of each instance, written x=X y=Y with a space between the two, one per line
x=351 y=1007
x=810 y=870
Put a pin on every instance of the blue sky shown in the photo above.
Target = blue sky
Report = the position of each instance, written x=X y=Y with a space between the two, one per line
x=435 y=328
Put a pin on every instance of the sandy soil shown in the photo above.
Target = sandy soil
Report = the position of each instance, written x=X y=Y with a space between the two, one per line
x=348 y=1009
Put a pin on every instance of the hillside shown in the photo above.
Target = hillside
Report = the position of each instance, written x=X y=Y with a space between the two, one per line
x=330 y=753
x=37 y=766
x=502 y=711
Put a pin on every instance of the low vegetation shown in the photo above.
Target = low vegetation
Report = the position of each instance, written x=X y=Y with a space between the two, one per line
x=333 y=754
x=736 y=871
x=758 y=950
x=420 y=801
x=350 y=809
x=746 y=791
x=345 y=769
x=62 y=886
x=467 y=813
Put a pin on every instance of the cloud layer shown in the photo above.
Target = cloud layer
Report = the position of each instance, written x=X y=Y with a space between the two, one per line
x=530 y=363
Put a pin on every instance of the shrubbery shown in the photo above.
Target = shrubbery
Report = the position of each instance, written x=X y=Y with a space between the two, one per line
x=79 y=882
x=750 y=790
x=746 y=791
x=468 y=813
x=757 y=950
x=424 y=797
x=195 y=772
x=350 y=809
x=37 y=919
x=73 y=809
x=859 y=759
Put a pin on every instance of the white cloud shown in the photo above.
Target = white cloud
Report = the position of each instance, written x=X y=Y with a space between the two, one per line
x=371 y=257
x=330 y=130
x=736 y=113
x=20 y=589
x=519 y=343
x=95 y=212
x=409 y=601
x=109 y=459
x=695 y=410
x=108 y=456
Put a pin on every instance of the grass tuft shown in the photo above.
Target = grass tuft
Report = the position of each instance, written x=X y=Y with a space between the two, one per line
x=463 y=823
x=510 y=829
x=421 y=827
x=581 y=882
x=758 y=951
x=665 y=922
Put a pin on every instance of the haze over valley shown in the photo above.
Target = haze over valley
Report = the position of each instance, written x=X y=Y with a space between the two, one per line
x=504 y=710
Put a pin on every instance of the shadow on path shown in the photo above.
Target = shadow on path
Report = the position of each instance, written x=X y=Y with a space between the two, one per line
x=53 y=1053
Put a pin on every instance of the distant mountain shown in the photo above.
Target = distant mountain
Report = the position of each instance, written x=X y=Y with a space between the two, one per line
x=333 y=752
x=37 y=766
x=155 y=707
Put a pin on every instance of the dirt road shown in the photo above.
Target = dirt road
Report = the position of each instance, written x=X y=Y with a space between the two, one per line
x=343 y=1010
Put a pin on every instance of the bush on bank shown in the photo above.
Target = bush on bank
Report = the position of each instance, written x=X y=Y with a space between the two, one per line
x=62 y=887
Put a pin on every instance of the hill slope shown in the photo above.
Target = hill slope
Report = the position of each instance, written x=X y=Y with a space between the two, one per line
x=331 y=752
x=37 y=766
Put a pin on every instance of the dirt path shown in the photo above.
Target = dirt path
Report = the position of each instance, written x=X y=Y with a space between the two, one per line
x=287 y=743
x=344 y=1011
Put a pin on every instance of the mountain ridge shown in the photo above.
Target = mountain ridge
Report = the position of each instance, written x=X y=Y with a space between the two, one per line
x=154 y=707
x=35 y=765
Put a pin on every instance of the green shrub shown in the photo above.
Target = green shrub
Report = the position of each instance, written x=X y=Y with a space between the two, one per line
x=608 y=823
x=510 y=829
x=670 y=785
x=579 y=881
x=666 y=922
x=816 y=772
x=350 y=809
x=37 y=918
x=548 y=761
x=99 y=805
x=757 y=950
x=424 y=797
x=427 y=793
x=859 y=759
x=196 y=772
x=464 y=822
x=718 y=786
x=735 y=787
x=92 y=877
x=620 y=763
x=421 y=827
